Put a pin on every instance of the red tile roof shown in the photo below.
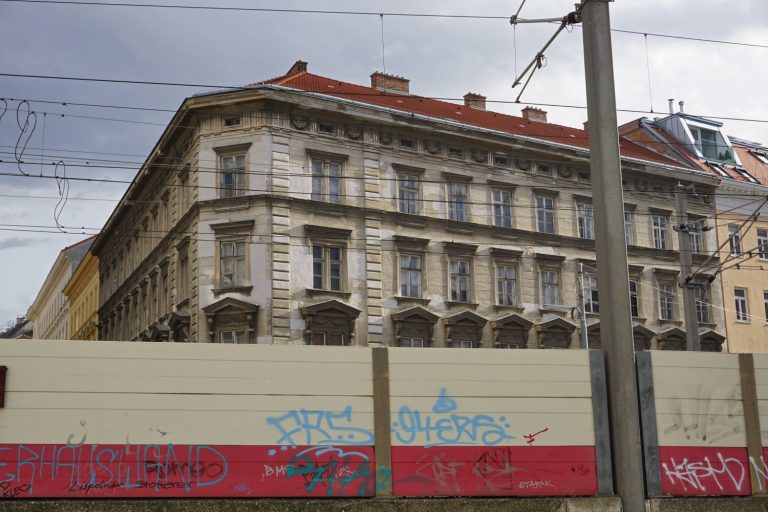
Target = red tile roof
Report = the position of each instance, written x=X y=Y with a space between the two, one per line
x=458 y=113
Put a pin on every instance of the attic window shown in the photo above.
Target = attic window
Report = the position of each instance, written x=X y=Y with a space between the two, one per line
x=719 y=169
x=583 y=176
x=407 y=143
x=760 y=156
x=745 y=174
x=326 y=129
x=456 y=153
x=229 y=122
x=501 y=160
x=544 y=169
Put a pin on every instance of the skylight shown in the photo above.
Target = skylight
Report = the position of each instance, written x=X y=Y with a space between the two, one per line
x=719 y=169
x=760 y=156
x=745 y=174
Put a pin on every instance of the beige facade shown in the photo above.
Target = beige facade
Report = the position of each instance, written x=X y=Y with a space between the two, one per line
x=50 y=312
x=82 y=292
x=282 y=216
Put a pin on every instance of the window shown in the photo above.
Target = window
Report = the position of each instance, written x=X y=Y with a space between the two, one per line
x=696 y=236
x=410 y=275
x=586 y=220
x=327 y=338
x=763 y=157
x=667 y=301
x=629 y=228
x=230 y=122
x=327 y=268
x=461 y=344
x=762 y=244
x=545 y=214
x=634 y=298
x=408 y=193
x=746 y=175
x=550 y=287
x=660 y=231
x=412 y=342
x=460 y=280
x=232 y=182
x=407 y=143
x=506 y=285
x=701 y=294
x=233 y=337
x=457 y=201
x=734 y=240
x=719 y=170
x=326 y=181
x=502 y=208
x=706 y=142
x=740 y=296
x=765 y=305
x=502 y=160
x=591 y=304
x=182 y=274
x=456 y=153
x=232 y=261
x=326 y=128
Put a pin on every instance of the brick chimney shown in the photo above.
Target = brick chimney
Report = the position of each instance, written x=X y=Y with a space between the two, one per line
x=474 y=100
x=535 y=114
x=389 y=83
x=299 y=66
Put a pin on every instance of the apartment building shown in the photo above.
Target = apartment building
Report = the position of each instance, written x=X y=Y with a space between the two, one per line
x=306 y=210
x=741 y=207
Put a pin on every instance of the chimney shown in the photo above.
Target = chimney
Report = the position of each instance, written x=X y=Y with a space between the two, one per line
x=389 y=83
x=535 y=114
x=474 y=100
x=681 y=103
x=299 y=66
x=671 y=106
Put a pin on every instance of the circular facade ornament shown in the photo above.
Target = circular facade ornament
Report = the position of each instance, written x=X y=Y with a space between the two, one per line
x=564 y=171
x=479 y=156
x=523 y=164
x=353 y=132
x=432 y=147
x=300 y=123
x=385 y=138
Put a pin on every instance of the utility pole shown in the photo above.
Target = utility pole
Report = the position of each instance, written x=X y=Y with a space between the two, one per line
x=686 y=269
x=612 y=272
x=582 y=310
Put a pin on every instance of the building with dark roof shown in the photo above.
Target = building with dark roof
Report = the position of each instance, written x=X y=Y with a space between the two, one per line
x=303 y=209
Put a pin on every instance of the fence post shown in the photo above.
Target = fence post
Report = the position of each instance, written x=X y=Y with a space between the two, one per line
x=650 y=435
x=381 y=421
x=751 y=419
x=601 y=423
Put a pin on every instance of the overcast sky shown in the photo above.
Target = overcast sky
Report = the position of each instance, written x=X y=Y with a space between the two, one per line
x=441 y=57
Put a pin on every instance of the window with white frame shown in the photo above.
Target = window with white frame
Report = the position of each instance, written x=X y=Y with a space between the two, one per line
x=406 y=341
x=460 y=279
x=506 y=284
x=327 y=267
x=408 y=193
x=232 y=264
x=239 y=336
x=762 y=244
x=701 y=294
x=232 y=181
x=696 y=236
x=328 y=338
x=462 y=344
x=502 y=208
x=629 y=227
x=634 y=297
x=660 y=224
x=734 y=240
x=740 y=298
x=545 y=214
x=458 y=196
x=550 y=287
x=591 y=303
x=326 y=180
x=410 y=275
x=585 y=217
x=667 y=301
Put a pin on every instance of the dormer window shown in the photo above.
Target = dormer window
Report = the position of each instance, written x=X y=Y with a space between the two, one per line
x=711 y=144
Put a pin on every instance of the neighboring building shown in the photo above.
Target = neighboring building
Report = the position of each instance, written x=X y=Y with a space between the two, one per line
x=742 y=215
x=21 y=329
x=308 y=210
x=82 y=291
x=49 y=313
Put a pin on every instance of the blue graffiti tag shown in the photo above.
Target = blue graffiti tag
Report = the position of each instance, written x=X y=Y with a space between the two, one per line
x=444 y=426
x=340 y=470
x=314 y=427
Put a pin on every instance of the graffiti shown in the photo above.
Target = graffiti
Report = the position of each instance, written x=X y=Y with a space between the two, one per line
x=496 y=470
x=242 y=488
x=445 y=426
x=705 y=476
x=535 y=484
x=85 y=468
x=315 y=427
x=273 y=471
x=530 y=438
x=438 y=468
x=333 y=469
x=705 y=419
x=8 y=490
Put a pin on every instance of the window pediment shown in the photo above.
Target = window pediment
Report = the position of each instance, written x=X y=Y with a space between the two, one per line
x=326 y=232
